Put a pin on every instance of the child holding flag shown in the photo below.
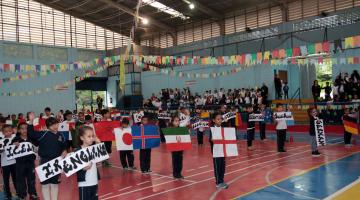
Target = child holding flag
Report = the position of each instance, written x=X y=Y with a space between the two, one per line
x=145 y=154
x=129 y=163
x=25 y=167
x=51 y=145
x=177 y=156
x=89 y=176
x=281 y=128
x=250 y=128
x=8 y=167
x=219 y=163
x=313 y=116
x=106 y=116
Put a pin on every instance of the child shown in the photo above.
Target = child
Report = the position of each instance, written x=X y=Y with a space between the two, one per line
x=106 y=116
x=145 y=154
x=219 y=163
x=347 y=135
x=88 y=177
x=313 y=115
x=199 y=131
x=68 y=118
x=250 y=128
x=129 y=164
x=8 y=166
x=25 y=167
x=51 y=145
x=262 y=124
x=286 y=90
x=280 y=130
x=177 y=156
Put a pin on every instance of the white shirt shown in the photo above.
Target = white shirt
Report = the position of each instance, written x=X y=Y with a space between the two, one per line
x=4 y=160
x=91 y=177
x=281 y=124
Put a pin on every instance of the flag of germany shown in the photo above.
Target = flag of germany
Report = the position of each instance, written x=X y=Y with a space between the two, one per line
x=350 y=125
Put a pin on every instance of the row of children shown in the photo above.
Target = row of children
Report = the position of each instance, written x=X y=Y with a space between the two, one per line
x=52 y=145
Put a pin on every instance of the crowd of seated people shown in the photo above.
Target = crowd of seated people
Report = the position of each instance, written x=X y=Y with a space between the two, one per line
x=175 y=98
x=345 y=88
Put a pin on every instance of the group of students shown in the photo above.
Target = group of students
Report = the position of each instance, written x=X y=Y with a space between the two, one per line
x=52 y=145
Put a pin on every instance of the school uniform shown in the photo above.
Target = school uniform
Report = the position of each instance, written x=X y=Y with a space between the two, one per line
x=312 y=135
x=177 y=162
x=51 y=146
x=200 y=136
x=8 y=169
x=127 y=158
x=88 y=183
x=145 y=160
x=25 y=172
x=219 y=165
x=281 y=134
x=262 y=126
x=250 y=136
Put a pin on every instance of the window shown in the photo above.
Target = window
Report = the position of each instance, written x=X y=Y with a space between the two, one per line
x=31 y=22
x=295 y=10
x=230 y=25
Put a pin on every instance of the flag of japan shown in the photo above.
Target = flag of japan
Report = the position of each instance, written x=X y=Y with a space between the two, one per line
x=123 y=139
x=224 y=140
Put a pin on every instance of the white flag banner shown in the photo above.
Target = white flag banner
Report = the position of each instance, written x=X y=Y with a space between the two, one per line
x=224 y=140
x=229 y=115
x=164 y=115
x=256 y=117
x=319 y=132
x=49 y=169
x=123 y=138
x=283 y=116
x=184 y=120
x=200 y=124
x=137 y=116
x=6 y=141
x=24 y=149
x=73 y=162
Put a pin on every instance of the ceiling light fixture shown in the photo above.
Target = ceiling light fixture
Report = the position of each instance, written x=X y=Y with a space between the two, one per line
x=145 y=21
x=191 y=6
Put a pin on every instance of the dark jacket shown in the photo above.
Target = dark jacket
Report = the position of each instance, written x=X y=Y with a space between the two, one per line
x=50 y=145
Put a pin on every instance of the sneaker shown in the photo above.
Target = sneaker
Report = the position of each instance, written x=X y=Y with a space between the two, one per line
x=34 y=197
x=179 y=177
x=143 y=172
x=348 y=145
x=281 y=151
x=132 y=168
x=251 y=148
x=315 y=153
x=126 y=169
x=222 y=186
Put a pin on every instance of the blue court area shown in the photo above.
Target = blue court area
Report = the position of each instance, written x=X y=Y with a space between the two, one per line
x=315 y=184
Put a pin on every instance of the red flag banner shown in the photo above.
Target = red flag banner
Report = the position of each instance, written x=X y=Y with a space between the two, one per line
x=105 y=130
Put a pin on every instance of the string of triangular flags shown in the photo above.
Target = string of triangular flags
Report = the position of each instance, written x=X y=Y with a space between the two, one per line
x=58 y=87
x=47 y=69
x=293 y=55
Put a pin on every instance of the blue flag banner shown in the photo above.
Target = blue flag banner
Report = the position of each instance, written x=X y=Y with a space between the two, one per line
x=145 y=137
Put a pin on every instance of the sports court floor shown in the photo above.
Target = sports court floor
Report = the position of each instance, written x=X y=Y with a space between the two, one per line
x=254 y=175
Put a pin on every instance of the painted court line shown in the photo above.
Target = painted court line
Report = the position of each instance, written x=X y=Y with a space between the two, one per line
x=143 y=183
x=166 y=191
x=105 y=195
x=196 y=182
x=343 y=190
x=125 y=188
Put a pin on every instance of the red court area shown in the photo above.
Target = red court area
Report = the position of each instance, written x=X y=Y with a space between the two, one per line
x=250 y=171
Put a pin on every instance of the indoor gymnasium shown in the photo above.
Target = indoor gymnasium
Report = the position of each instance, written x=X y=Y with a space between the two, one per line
x=180 y=99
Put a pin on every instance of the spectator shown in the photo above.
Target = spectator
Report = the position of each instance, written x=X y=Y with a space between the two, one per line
x=278 y=86
x=316 y=89
x=264 y=92
x=286 y=90
x=327 y=89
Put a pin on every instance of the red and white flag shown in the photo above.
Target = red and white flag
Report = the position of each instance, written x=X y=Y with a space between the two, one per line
x=225 y=144
x=123 y=138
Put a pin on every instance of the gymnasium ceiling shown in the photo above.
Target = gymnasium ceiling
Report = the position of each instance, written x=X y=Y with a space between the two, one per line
x=117 y=15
